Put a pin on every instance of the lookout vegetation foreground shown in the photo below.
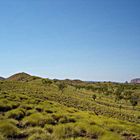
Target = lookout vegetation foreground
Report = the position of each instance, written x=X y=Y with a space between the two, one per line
x=34 y=108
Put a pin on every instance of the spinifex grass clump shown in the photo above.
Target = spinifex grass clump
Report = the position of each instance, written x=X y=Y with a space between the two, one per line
x=9 y=129
x=17 y=114
x=40 y=137
x=36 y=119
x=67 y=119
x=2 y=137
x=6 y=105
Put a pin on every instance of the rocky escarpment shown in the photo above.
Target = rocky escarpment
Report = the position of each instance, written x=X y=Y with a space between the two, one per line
x=136 y=81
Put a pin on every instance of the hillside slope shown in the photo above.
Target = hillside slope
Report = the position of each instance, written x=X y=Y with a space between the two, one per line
x=47 y=109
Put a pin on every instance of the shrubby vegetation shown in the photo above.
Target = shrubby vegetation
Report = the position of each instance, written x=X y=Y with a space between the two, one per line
x=32 y=108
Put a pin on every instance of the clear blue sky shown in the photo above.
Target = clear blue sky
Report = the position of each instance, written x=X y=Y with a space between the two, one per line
x=84 y=39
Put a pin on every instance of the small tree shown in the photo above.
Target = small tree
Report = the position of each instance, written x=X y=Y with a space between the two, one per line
x=94 y=97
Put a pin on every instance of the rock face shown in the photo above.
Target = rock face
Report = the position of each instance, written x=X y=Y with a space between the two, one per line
x=136 y=81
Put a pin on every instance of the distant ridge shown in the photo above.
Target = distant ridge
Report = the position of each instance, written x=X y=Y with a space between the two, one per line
x=136 y=81
x=1 y=78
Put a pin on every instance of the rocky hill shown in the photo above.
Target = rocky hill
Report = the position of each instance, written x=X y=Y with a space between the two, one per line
x=136 y=81
x=19 y=77
x=22 y=77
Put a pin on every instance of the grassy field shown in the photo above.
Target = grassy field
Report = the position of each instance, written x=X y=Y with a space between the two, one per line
x=32 y=108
